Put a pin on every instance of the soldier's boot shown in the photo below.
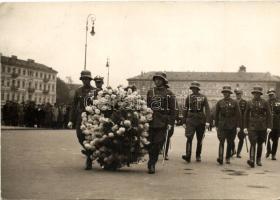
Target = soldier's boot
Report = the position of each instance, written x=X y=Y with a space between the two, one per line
x=151 y=168
x=274 y=149
x=239 y=148
x=198 y=151
x=251 y=161
x=221 y=154
x=187 y=157
x=229 y=152
x=259 y=162
x=268 y=149
x=259 y=154
x=88 y=163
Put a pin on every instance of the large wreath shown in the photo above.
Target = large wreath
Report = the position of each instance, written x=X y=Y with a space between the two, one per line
x=116 y=127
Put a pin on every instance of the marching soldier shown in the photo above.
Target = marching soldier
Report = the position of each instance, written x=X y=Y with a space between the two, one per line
x=196 y=116
x=162 y=101
x=98 y=83
x=81 y=97
x=227 y=121
x=241 y=135
x=274 y=104
x=257 y=124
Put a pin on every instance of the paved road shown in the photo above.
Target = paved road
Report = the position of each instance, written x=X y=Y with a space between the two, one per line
x=47 y=164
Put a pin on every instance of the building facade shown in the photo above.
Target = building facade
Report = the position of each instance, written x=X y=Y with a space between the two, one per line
x=211 y=83
x=23 y=81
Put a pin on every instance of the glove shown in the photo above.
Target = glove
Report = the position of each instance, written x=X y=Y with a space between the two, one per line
x=268 y=130
x=207 y=125
x=184 y=125
x=237 y=129
x=245 y=131
x=169 y=127
x=70 y=125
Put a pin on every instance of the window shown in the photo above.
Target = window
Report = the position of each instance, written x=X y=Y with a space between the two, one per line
x=52 y=87
x=40 y=86
x=53 y=77
x=8 y=83
x=13 y=82
x=9 y=69
x=49 y=76
x=19 y=71
x=23 y=83
x=3 y=82
x=35 y=85
x=3 y=68
x=36 y=74
x=2 y=96
x=29 y=84
x=24 y=72
x=18 y=83
x=41 y=75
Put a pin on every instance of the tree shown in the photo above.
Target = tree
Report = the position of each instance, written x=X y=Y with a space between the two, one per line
x=62 y=92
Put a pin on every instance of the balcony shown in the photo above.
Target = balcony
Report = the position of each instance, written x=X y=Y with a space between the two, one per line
x=46 y=80
x=31 y=90
x=15 y=75
x=14 y=88
x=46 y=91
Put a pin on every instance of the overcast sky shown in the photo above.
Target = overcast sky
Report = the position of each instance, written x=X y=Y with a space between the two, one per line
x=142 y=36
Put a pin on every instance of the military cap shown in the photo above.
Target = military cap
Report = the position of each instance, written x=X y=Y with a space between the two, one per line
x=238 y=91
x=161 y=75
x=98 y=79
x=195 y=84
x=257 y=89
x=85 y=74
x=226 y=88
x=271 y=91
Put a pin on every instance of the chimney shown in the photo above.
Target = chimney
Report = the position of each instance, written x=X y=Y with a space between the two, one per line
x=242 y=68
x=30 y=60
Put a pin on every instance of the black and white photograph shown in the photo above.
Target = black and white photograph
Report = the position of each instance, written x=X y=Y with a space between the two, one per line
x=140 y=100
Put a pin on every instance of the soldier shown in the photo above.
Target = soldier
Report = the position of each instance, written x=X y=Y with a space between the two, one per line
x=227 y=121
x=81 y=96
x=274 y=104
x=196 y=117
x=162 y=101
x=98 y=83
x=241 y=135
x=257 y=123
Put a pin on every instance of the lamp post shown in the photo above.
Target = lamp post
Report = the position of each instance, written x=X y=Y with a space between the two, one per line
x=92 y=18
x=108 y=66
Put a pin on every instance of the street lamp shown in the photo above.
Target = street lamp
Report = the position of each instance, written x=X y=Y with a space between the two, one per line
x=108 y=66
x=92 y=32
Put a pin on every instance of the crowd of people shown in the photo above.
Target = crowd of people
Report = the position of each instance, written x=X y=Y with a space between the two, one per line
x=30 y=114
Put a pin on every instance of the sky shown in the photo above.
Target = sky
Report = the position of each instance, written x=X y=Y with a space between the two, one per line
x=144 y=36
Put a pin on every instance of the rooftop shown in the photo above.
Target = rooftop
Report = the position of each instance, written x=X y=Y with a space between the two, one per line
x=31 y=64
x=211 y=76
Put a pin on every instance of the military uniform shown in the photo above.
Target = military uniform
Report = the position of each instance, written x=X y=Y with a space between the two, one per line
x=257 y=121
x=241 y=135
x=82 y=98
x=274 y=104
x=162 y=101
x=195 y=118
x=227 y=120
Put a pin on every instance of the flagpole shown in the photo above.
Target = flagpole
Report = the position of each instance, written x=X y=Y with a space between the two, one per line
x=108 y=75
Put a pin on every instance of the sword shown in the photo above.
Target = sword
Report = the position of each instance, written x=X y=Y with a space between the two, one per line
x=246 y=142
x=266 y=143
x=164 y=146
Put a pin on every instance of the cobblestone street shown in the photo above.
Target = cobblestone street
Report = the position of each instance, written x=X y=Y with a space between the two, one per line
x=47 y=164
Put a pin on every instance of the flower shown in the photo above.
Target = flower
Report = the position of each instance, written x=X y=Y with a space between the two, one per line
x=127 y=123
